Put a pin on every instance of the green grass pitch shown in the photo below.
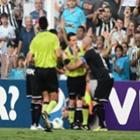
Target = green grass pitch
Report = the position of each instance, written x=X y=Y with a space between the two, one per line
x=26 y=134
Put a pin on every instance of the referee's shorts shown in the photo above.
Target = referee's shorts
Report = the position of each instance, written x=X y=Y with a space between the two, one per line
x=100 y=89
x=45 y=79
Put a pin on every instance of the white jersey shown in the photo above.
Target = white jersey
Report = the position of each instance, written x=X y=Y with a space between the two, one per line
x=8 y=32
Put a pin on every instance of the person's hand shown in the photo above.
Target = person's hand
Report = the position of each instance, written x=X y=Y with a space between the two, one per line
x=115 y=67
x=90 y=32
x=127 y=13
x=64 y=55
x=105 y=34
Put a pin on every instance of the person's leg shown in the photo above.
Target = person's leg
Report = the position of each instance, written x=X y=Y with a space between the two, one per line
x=85 y=113
x=53 y=102
x=49 y=103
x=36 y=106
x=50 y=98
x=81 y=90
x=36 y=103
x=71 y=112
x=46 y=100
x=72 y=101
x=100 y=112
x=78 y=113
x=102 y=93
x=51 y=85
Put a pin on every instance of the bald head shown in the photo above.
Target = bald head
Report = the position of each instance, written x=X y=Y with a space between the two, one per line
x=87 y=42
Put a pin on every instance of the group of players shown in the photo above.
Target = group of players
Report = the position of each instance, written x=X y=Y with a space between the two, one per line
x=81 y=65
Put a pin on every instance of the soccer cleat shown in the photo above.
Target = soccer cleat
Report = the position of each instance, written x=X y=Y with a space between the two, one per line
x=33 y=127
x=47 y=122
x=85 y=127
x=76 y=127
x=100 y=129
x=48 y=130
x=39 y=127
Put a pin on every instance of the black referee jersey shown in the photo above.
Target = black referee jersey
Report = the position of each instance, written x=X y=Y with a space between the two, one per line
x=100 y=73
x=97 y=65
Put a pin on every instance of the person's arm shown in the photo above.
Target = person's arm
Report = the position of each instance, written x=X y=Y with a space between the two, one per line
x=83 y=19
x=30 y=55
x=58 y=53
x=76 y=65
x=135 y=58
x=118 y=69
x=107 y=50
x=29 y=59
x=62 y=23
x=3 y=39
x=15 y=61
x=64 y=35
x=90 y=16
x=95 y=17
x=20 y=45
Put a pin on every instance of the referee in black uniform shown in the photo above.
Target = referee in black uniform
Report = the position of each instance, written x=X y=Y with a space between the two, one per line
x=99 y=73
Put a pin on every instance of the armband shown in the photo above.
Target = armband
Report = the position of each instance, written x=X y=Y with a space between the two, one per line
x=60 y=64
x=83 y=60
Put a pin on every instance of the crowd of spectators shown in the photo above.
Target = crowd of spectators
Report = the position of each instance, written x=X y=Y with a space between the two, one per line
x=114 y=25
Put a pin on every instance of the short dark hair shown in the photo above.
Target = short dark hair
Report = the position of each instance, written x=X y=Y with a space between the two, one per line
x=108 y=7
x=21 y=57
x=69 y=35
x=4 y=15
x=43 y=22
x=120 y=47
x=120 y=18
x=82 y=27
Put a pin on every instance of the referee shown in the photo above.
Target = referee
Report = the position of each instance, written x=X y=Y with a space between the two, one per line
x=45 y=51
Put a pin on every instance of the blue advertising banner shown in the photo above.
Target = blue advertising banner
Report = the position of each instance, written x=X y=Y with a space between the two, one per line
x=15 y=107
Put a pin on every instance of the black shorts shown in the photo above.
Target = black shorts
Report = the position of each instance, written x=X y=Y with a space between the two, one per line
x=103 y=90
x=76 y=86
x=45 y=80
